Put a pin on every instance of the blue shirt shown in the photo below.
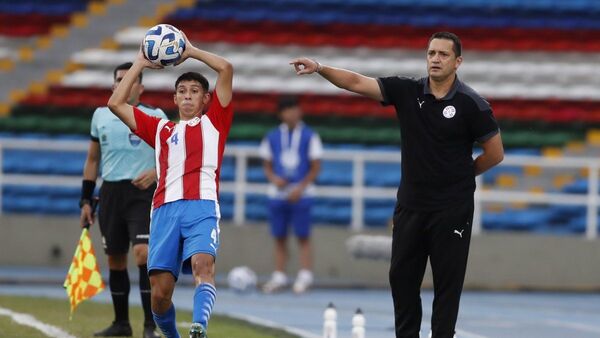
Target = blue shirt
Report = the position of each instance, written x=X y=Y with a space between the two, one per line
x=291 y=152
x=124 y=156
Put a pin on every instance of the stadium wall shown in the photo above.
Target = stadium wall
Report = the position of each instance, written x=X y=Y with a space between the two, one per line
x=499 y=261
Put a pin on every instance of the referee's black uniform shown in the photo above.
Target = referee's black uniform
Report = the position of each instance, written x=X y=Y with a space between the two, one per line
x=434 y=210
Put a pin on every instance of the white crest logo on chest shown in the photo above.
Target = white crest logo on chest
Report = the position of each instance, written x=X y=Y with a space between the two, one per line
x=449 y=112
x=193 y=122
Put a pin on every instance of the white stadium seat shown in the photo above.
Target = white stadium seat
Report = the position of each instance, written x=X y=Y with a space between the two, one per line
x=265 y=68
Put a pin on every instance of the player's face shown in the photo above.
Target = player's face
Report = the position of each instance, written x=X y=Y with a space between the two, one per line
x=291 y=116
x=136 y=90
x=441 y=59
x=190 y=98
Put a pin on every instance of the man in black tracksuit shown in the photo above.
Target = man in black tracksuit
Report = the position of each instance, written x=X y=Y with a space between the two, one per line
x=440 y=119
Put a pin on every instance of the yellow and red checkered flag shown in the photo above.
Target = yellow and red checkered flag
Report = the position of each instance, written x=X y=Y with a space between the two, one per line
x=83 y=279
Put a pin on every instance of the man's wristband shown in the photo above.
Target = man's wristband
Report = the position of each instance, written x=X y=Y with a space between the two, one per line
x=83 y=202
x=87 y=191
x=319 y=66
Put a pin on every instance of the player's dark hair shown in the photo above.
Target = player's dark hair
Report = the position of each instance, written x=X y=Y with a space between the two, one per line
x=456 y=44
x=287 y=101
x=125 y=66
x=193 y=76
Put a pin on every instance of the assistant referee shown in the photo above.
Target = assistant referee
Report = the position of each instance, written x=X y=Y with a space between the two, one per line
x=129 y=181
x=440 y=120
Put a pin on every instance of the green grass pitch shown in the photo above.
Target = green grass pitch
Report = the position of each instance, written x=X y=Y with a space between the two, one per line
x=92 y=316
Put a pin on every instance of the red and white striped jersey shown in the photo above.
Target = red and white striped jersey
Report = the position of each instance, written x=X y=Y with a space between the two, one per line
x=188 y=153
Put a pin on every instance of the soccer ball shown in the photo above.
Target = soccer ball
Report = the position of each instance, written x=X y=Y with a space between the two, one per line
x=241 y=279
x=163 y=45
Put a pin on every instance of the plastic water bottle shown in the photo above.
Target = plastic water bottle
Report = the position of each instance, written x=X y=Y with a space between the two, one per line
x=358 y=324
x=330 y=322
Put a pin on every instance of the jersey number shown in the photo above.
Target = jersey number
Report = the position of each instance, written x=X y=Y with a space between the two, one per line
x=175 y=139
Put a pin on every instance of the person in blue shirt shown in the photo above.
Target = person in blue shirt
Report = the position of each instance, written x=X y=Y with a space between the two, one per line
x=129 y=180
x=291 y=159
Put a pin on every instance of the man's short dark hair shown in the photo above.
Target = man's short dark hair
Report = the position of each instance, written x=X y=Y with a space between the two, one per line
x=456 y=44
x=286 y=102
x=193 y=76
x=125 y=66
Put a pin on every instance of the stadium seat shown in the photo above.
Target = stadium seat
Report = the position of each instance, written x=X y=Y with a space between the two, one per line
x=535 y=61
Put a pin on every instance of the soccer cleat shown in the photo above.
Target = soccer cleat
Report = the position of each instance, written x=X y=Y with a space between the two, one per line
x=277 y=282
x=197 y=331
x=150 y=332
x=116 y=329
x=303 y=281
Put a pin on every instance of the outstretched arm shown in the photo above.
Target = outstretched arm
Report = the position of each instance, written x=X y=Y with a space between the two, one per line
x=118 y=100
x=224 y=69
x=342 y=78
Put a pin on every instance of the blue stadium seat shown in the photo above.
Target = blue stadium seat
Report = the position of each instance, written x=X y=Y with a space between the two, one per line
x=43 y=162
x=377 y=218
x=465 y=13
x=335 y=173
x=562 y=214
x=382 y=174
x=517 y=220
x=489 y=177
x=20 y=205
x=228 y=169
x=256 y=207
x=256 y=174
x=322 y=214
x=60 y=206
x=378 y=212
x=226 y=205
x=73 y=193
x=579 y=186
x=578 y=224
x=42 y=7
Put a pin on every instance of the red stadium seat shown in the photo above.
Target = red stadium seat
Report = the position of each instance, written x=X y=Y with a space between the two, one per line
x=380 y=36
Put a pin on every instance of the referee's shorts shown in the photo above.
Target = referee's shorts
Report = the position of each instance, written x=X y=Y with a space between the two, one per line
x=124 y=215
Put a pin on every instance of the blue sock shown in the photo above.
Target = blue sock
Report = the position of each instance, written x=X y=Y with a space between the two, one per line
x=204 y=300
x=166 y=323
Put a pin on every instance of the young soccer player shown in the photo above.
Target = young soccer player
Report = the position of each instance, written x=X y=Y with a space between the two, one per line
x=185 y=219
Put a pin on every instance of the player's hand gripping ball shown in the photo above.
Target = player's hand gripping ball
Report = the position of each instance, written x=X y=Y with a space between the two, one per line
x=163 y=45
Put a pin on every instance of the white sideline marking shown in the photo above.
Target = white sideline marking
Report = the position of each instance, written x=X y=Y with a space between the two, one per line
x=31 y=321
x=575 y=326
x=266 y=323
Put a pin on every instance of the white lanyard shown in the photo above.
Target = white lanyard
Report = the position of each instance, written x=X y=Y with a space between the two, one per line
x=290 y=157
x=295 y=138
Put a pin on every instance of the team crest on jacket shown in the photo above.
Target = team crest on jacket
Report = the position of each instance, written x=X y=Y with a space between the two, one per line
x=449 y=112
x=134 y=140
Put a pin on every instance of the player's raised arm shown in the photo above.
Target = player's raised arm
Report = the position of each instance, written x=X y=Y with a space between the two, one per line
x=118 y=100
x=342 y=78
x=224 y=69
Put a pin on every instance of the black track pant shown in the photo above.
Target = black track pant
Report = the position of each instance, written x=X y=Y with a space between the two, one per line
x=443 y=236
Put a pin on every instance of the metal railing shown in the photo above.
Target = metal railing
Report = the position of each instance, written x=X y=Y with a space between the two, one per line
x=358 y=192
